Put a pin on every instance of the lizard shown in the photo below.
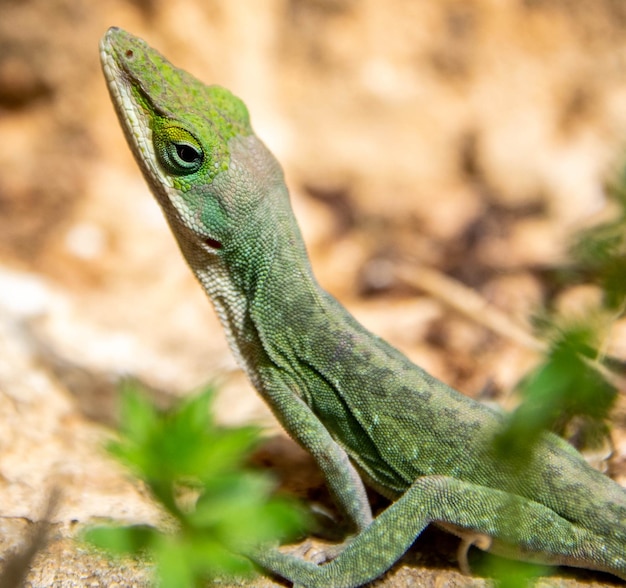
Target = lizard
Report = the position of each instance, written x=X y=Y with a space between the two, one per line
x=364 y=411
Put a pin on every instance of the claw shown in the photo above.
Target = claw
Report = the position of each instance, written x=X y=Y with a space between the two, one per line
x=480 y=540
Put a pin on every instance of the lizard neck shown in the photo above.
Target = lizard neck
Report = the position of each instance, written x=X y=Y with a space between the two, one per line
x=303 y=331
x=274 y=312
x=286 y=313
x=265 y=306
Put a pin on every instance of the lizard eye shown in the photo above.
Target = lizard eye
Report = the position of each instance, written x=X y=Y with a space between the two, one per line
x=178 y=151
x=188 y=153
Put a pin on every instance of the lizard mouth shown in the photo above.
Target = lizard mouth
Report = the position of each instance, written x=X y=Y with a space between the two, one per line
x=134 y=122
x=212 y=243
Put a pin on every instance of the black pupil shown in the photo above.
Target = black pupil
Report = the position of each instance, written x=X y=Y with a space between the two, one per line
x=187 y=153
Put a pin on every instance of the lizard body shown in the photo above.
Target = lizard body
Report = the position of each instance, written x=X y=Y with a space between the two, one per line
x=360 y=407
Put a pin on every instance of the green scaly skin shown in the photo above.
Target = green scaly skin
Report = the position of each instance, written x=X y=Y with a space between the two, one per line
x=359 y=406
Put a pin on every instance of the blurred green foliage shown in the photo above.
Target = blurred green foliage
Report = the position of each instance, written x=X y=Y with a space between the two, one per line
x=571 y=380
x=566 y=385
x=196 y=471
x=599 y=253
x=571 y=384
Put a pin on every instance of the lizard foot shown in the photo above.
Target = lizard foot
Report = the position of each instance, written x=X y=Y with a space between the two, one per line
x=318 y=554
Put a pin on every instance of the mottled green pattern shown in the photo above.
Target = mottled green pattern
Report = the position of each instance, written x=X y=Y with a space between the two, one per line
x=362 y=409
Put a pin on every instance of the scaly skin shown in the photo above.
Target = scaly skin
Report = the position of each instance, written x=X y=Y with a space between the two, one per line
x=359 y=406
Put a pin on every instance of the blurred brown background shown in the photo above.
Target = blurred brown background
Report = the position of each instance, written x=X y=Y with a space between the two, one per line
x=470 y=136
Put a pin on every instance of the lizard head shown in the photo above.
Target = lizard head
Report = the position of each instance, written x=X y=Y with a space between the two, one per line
x=212 y=176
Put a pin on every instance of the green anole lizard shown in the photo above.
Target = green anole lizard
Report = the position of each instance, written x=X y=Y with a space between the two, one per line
x=361 y=408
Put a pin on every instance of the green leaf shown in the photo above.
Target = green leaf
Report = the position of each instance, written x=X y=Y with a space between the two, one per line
x=195 y=470
x=562 y=387
x=599 y=253
x=121 y=540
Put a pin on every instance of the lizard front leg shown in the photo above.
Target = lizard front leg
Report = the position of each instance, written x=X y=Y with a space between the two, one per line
x=344 y=482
